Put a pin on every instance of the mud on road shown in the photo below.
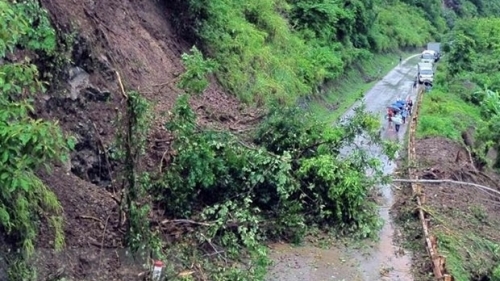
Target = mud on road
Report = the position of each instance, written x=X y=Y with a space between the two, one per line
x=381 y=260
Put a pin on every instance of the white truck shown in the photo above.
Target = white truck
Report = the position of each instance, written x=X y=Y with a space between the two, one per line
x=425 y=73
x=436 y=47
x=428 y=56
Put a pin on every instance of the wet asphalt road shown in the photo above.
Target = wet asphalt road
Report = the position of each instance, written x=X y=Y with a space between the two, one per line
x=382 y=260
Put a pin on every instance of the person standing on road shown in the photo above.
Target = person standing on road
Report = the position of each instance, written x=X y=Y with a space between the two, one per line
x=410 y=105
x=397 y=119
x=404 y=114
x=390 y=115
x=400 y=60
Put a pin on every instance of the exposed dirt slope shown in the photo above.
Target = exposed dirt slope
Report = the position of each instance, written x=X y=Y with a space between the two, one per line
x=135 y=39
x=463 y=218
x=93 y=244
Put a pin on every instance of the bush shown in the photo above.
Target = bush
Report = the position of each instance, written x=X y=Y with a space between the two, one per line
x=446 y=114
x=495 y=276
x=194 y=79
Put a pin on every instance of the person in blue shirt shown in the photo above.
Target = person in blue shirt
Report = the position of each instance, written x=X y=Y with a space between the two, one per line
x=397 y=120
x=404 y=115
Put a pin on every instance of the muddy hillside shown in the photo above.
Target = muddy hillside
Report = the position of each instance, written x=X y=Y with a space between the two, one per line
x=135 y=40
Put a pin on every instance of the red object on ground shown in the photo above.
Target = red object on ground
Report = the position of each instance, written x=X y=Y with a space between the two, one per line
x=158 y=264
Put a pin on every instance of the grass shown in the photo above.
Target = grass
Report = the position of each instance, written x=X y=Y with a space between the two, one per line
x=446 y=115
x=343 y=93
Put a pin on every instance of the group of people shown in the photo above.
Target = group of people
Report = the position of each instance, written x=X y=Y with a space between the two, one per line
x=399 y=112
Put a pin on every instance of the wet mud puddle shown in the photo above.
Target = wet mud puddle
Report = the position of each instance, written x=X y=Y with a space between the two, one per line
x=378 y=260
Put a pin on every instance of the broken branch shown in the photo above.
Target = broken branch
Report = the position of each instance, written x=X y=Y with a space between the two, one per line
x=102 y=241
x=163 y=222
x=449 y=181
x=89 y=218
x=121 y=85
x=104 y=151
x=163 y=158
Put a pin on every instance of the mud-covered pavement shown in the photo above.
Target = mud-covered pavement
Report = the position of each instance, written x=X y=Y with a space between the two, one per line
x=381 y=260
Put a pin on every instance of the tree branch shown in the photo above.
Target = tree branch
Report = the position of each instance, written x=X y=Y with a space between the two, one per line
x=452 y=182
x=163 y=222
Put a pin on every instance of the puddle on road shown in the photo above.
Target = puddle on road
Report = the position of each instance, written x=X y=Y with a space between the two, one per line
x=382 y=260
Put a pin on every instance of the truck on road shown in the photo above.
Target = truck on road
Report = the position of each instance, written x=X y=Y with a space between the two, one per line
x=436 y=47
x=425 y=73
x=428 y=56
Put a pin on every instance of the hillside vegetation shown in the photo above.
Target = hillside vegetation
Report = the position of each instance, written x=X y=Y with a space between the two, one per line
x=467 y=93
x=269 y=50
x=280 y=50
x=26 y=144
x=230 y=193
x=465 y=107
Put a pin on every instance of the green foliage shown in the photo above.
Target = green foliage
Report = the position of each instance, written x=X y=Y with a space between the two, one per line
x=474 y=50
x=468 y=85
x=446 y=114
x=433 y=12
x=469 y=257
x=277 y=50
x=496 y=274
x=475 y=8
x=26 y=144
x=489 y=133
x=25 y=24
x=131 y=141
x=333 y=187
x=338 y=96
x=194 y=80
x=470 y=254
x=400 y=25
x=290 y=178
x=467 y=97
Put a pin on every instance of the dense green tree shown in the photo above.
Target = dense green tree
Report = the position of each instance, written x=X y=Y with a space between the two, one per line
x=474 y=50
